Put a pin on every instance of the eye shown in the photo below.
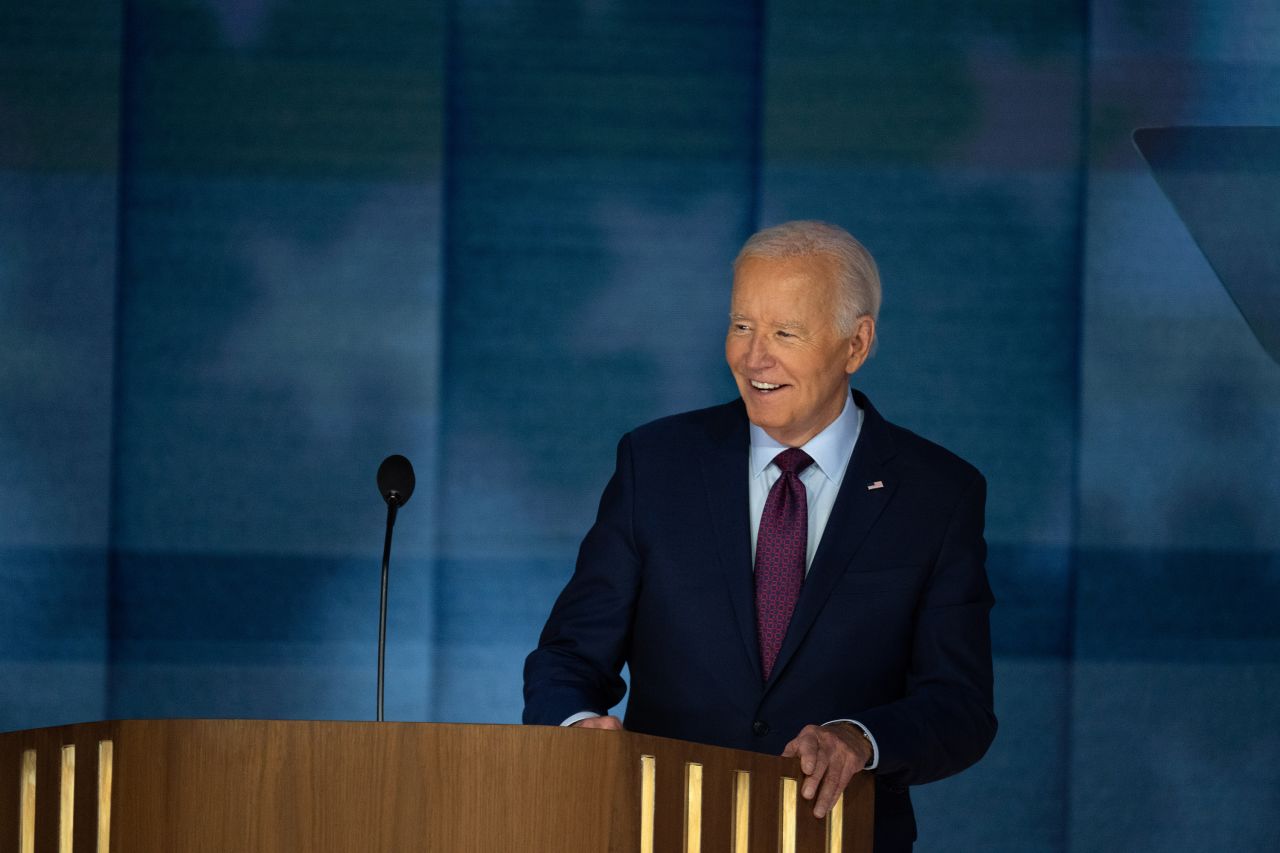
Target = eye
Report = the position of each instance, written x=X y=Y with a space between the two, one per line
x=782 y=333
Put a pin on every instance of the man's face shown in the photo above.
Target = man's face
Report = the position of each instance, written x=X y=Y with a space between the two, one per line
x=791 y=364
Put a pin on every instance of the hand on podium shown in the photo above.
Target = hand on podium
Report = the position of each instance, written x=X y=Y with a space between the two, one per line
x=829 y=757
x=610 y=723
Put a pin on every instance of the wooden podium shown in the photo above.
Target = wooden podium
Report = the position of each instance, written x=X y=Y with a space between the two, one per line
x=264 y=786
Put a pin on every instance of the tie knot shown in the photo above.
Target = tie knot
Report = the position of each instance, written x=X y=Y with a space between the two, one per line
x=793 y=460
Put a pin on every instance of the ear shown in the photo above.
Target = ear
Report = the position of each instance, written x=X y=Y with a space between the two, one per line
x=864 y=335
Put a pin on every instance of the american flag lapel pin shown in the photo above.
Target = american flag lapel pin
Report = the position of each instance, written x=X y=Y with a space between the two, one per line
x=878 y=484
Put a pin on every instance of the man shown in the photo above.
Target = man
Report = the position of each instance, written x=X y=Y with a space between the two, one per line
x=787 y=573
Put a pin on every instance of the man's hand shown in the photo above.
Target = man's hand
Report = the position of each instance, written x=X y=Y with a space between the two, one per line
x=829 y=756
x=610 y=722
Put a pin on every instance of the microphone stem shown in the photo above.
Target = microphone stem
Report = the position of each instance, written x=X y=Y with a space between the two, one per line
x=382 y=605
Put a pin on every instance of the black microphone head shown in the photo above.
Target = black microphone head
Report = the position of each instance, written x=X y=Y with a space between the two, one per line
x=395 y=480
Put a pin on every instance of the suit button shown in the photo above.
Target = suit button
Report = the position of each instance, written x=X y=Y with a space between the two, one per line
x=760 y=728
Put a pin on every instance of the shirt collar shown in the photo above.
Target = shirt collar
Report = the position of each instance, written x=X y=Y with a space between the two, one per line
x=829 y=449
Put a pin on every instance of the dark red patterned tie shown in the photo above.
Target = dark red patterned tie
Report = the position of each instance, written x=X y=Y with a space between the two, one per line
x=780 y=553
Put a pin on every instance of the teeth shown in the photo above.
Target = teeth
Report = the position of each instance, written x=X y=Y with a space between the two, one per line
x=763 y=386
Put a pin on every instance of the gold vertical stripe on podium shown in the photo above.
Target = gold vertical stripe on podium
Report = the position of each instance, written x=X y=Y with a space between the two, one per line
x=106 y=759
x=692 y=808
x=67 y=806
x=648 y=787
x=835 y=827
x=741 y=810
x=787 y=816
x=27 y=804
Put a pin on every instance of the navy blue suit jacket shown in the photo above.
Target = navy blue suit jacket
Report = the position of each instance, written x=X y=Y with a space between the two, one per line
x=891 y=627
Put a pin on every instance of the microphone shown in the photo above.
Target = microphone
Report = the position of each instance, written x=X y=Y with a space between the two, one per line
x=395 y=482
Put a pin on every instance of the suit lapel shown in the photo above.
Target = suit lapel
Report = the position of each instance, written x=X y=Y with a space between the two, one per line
x=724 y=470
x=856 y=510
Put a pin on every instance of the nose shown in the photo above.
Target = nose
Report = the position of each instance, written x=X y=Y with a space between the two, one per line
x=759 y=355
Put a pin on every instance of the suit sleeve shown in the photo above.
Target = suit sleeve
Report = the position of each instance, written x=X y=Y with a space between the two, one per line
x=578 y=662
x=945 y=720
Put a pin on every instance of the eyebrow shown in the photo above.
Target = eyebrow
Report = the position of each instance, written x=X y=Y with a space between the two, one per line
x=786 y=324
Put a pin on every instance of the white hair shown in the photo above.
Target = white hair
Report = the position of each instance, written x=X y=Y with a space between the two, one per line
x=856 y=272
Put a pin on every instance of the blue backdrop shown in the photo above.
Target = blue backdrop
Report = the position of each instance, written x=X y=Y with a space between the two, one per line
x=248 y=249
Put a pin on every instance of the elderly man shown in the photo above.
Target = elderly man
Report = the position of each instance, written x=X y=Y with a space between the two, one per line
x=787 y=573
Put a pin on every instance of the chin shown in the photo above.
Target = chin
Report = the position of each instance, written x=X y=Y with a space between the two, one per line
x=762 y=420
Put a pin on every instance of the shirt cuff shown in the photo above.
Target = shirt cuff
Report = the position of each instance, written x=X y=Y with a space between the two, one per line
x=875 y=747
x=586 y=715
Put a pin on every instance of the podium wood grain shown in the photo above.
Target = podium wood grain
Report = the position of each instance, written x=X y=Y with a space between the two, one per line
x=267 y=786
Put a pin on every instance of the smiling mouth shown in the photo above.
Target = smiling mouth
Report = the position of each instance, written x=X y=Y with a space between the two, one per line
x=764 y=386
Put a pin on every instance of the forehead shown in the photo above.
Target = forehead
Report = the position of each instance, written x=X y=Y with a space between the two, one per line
x=799 y=287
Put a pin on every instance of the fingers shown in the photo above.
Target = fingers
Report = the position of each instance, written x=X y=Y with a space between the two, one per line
x=805 y=747
x=823 y=761
x=822 y=764
x=609 y=723
x=833 y=784
x=814 y=759
x=828 y=762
